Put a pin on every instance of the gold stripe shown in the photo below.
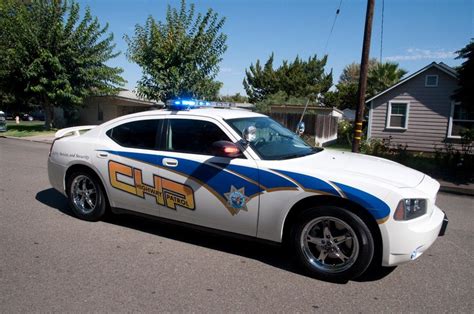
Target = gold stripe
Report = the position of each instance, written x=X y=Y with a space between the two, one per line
x=318 y=192
x=360 y=131
x=357 y=137
x=281 y=189
x=358 y=123
x=343 y=195
x=383 y=220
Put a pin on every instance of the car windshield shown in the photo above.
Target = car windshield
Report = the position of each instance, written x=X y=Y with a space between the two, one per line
x=273 y=141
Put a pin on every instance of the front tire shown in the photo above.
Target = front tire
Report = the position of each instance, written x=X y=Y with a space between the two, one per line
x=331 y=243
x=86 y=196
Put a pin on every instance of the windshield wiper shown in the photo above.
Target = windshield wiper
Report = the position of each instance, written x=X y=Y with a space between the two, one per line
x=314 y=150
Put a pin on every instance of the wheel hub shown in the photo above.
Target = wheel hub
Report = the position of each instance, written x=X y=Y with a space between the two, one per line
x=329 y=244
x=84 y=194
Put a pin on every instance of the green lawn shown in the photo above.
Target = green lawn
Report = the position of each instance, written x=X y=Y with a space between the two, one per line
x=26 y=128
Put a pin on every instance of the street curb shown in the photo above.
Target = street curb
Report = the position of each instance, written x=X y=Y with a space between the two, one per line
x=456 y=190
x=27 y=139
x=443 y=188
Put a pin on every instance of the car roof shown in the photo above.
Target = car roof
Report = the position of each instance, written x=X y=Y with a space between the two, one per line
x=198 y=112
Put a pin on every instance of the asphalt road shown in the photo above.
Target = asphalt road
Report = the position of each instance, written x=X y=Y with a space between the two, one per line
x=51 y=261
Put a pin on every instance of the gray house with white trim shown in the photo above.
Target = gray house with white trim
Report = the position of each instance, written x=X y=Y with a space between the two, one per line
x=418 y=111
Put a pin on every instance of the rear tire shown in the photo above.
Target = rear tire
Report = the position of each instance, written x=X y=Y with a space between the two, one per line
x=331 y=243
x=86 y=195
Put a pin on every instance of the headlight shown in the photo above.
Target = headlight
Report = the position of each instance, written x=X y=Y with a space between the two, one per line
x=410 y=208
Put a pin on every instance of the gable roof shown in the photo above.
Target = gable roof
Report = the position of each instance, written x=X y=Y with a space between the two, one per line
x=440 y=66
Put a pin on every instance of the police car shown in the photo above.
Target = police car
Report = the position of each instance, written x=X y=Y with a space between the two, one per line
x=241 y=172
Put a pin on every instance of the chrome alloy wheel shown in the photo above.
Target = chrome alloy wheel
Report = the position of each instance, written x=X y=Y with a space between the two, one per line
x=84 y=194
x=329 y=244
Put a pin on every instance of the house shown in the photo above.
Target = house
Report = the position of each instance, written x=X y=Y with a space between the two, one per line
x=320 y=121
x=418 y=111
x=99 y=109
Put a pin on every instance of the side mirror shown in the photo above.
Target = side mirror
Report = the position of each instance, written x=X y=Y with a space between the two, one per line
x=250 y=134
x=300 y=128
x=225 y=149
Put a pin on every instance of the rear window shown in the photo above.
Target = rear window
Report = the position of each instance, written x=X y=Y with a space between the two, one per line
x=142 y=134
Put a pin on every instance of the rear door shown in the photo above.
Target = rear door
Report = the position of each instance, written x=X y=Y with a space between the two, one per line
x=126 y=158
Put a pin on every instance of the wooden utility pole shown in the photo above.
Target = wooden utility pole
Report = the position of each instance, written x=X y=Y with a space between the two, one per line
x=364 y=64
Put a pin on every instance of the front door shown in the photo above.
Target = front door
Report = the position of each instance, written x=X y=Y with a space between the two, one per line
x=216 y=192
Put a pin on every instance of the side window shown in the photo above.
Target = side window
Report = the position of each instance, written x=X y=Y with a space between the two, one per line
x=461 y=119
x=137 y=134
x=397 y=115
x=193 y=136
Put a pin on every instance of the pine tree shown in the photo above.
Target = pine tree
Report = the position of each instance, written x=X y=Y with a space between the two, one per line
x=465 y=93
x=296 y=79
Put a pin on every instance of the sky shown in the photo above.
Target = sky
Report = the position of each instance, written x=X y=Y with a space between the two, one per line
x=415 y=32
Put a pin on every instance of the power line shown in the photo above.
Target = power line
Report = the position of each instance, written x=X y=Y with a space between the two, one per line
x=381 y=31
x=332 y=27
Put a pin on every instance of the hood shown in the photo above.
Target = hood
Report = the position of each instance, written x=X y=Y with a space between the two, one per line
x=364 y=166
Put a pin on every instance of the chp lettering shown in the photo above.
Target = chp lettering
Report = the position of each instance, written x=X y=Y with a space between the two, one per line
x=166 y=192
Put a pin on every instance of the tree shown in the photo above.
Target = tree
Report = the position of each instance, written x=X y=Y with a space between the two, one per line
x=295 y=79
x=465 y=93
x=260 y=82
x=234 y=98
x=51 y=58
x=380 y=77
x=179 y=57
x=351 y=72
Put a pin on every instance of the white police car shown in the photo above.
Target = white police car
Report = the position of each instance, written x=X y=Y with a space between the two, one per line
x=243 y=173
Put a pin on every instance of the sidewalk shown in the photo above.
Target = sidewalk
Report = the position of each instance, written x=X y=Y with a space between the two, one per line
x=47 y=139
x=449 y=187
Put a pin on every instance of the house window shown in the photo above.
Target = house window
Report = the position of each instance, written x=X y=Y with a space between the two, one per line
x=397 y=115
x=431 y=81
x=462 y=118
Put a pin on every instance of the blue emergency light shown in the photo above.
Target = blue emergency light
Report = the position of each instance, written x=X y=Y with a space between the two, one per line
x=187 y=104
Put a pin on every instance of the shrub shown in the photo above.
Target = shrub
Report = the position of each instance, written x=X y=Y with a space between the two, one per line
x=376 y=147
x=345 y=130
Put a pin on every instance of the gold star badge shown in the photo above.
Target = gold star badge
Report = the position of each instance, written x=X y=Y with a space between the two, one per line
x=236 y=200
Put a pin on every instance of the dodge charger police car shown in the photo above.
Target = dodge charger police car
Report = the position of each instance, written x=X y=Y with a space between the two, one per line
x=243 y=173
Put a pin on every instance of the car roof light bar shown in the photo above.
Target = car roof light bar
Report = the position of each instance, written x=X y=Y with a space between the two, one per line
x=187 y=104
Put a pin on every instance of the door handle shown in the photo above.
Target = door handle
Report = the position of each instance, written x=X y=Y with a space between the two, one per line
x=102 y=154
x=170 y=162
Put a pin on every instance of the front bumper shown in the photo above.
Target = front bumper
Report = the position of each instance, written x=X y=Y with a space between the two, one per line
x=408 y=240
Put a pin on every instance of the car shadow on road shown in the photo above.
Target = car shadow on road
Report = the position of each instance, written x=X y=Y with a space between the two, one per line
x=273 y=255
x=52 y=198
